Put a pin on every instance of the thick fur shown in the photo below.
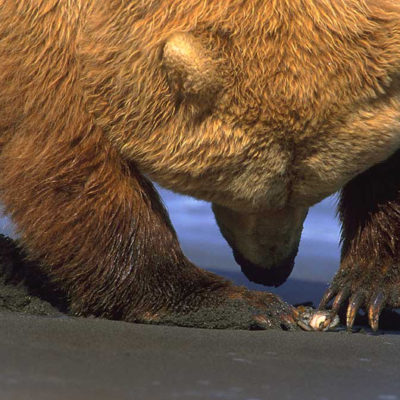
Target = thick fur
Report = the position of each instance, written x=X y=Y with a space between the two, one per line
x=369 y=274
x=257 y=106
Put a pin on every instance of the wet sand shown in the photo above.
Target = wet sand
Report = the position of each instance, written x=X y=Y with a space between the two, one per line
x=69 y=358
x=46 y=354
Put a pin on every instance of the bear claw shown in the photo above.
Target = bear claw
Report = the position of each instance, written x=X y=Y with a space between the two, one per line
x=355 y=303
x=375 y=309
x=359 y=298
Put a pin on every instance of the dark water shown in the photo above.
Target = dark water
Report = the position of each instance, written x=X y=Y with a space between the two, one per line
x=316 y=263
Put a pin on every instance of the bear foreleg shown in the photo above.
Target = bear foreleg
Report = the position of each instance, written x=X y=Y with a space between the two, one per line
x=369 y=274
x=99 y=230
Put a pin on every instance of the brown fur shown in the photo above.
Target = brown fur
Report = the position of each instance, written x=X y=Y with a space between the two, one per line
x=255 y=105
x=370 y=213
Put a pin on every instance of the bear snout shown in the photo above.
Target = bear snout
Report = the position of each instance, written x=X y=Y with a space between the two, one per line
x=274 y=275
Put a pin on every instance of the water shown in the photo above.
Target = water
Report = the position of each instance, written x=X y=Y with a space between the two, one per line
x=316 y=263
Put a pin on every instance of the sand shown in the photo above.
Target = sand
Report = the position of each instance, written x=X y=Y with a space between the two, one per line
x=69 y=358
x=46 y=354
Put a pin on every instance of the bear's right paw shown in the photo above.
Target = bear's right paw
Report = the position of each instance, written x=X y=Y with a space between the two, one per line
x=239 y=308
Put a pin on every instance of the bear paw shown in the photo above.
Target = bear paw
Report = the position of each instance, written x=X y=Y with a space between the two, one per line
x=239 y=309
x=372 y=288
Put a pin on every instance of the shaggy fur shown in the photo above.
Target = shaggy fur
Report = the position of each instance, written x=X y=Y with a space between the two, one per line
x=258 y=106
x=369 y=274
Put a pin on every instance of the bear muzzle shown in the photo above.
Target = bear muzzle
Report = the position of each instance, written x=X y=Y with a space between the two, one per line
x=274 y=275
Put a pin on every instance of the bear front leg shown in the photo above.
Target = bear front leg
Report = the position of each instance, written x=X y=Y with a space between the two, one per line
x=99 y=230
x=369 y=274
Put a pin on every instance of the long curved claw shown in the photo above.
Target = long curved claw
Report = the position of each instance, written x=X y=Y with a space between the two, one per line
x=328 y=296
x=340 y=298
x=374 y=311
x=354 y=304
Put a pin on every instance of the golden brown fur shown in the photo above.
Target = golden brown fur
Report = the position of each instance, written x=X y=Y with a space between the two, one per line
x=262 y=107
x=285 y=83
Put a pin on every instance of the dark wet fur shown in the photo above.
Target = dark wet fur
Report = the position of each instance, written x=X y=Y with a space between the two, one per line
x=23 y=288
x=369 y=274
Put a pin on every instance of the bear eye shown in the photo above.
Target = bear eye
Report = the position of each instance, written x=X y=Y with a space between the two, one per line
x=192 y=71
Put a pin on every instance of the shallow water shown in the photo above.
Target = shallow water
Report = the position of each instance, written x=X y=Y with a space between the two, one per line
x=316 y=263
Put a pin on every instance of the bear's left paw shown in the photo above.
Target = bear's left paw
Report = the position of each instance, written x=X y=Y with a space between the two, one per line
x=237 y=308
x=365 y=286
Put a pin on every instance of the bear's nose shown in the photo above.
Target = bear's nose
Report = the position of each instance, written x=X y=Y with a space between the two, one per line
x=271 y=276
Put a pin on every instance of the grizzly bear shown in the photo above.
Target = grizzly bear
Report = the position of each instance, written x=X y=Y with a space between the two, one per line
x=262 y=108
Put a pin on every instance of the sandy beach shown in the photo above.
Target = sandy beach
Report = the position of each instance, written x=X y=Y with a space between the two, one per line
x=62 y=358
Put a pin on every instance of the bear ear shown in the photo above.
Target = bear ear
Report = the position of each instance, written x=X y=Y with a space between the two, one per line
x=192 y=71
